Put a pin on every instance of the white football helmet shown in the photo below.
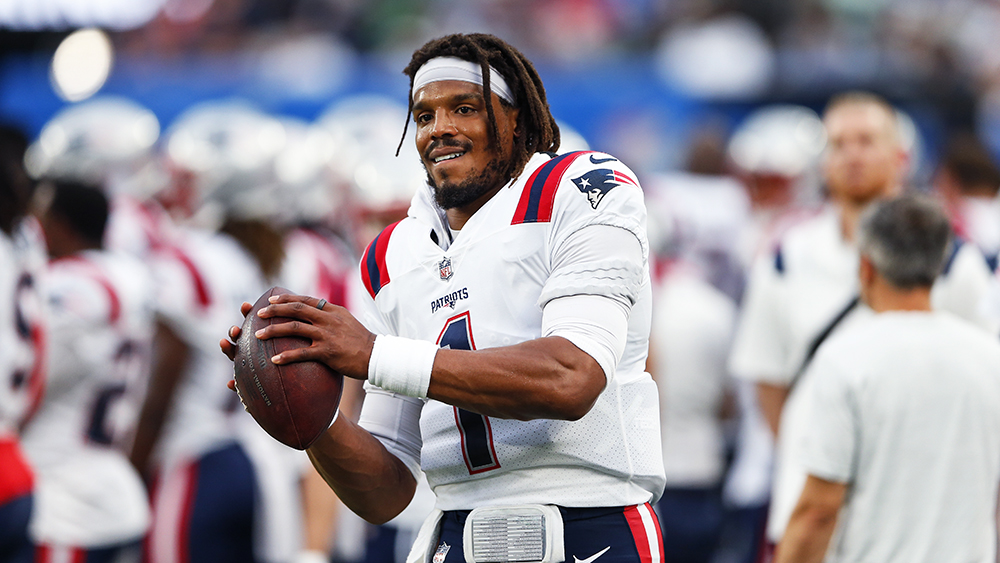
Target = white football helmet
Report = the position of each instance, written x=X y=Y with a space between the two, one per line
x=570 y=139
x=786 y=140
x=301 y=170
x=366 y=131
x=229 y=148
x=109 y=141
x=781 y=141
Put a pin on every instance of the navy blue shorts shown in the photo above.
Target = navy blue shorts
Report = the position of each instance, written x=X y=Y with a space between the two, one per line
x=204 y=512
x=15 y=546
x=628 y=534
x=692 y=521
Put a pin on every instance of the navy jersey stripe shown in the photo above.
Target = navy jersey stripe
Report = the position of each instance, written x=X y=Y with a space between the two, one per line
x=374 y=272
x=535 y=189
x=956 y=245
x=371 y=265
x=540 y=188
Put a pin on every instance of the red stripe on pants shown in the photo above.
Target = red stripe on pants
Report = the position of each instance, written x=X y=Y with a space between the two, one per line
x=639 y=533
x=184 y=541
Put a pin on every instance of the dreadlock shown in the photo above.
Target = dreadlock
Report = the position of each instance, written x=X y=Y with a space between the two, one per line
x=541 y=134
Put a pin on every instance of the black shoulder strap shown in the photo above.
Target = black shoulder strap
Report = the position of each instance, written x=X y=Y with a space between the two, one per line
x=821 y=338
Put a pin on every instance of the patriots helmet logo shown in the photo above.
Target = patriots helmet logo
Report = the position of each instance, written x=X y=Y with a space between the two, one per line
x=597 y=183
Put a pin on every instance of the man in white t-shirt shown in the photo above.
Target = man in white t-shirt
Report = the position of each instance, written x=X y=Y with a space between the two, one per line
x=903 y=440
x=804 y=290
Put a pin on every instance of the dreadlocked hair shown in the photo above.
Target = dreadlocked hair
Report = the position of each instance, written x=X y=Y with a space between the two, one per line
x=540 y=131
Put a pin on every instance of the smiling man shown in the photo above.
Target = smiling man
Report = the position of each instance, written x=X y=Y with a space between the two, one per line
x=503 y=335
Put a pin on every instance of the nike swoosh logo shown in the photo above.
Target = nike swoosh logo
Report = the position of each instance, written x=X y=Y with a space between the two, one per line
x=594 y=556
x=600 y=160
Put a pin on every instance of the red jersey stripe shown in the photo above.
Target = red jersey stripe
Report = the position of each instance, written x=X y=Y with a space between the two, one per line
x=374 y=272
x=200 y=287
x=16 y=478
x=184 y=541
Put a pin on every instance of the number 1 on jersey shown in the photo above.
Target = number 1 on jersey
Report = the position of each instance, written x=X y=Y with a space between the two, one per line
x=477 y=435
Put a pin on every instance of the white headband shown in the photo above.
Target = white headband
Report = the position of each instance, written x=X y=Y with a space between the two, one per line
x=454 y=68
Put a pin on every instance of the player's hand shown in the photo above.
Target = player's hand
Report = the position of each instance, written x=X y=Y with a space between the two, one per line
x=229 y=346
x=338 y=339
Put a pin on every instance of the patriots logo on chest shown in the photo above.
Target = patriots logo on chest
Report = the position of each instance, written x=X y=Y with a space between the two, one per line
x=597 y=183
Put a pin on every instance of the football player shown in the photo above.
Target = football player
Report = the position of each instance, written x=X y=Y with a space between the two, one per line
x=208 y=491
x=22 y=343
x=505 y=333
x=110 y=142
x=378 y=190
x=90 y=502
x=317 y=262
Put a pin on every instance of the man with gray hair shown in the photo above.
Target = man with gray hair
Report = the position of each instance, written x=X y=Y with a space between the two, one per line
x=903 y=449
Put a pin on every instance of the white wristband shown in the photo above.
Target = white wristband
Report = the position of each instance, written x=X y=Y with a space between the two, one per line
x=402 y=365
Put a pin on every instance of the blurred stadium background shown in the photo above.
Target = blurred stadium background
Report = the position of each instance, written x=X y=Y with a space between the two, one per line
x=729 y=90
x=637 y=78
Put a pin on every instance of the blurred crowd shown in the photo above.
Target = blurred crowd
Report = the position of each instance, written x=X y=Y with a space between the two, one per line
x=935 y=56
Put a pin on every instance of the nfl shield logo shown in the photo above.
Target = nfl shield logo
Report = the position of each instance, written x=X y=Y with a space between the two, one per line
x=444 y=268
x=441 y=553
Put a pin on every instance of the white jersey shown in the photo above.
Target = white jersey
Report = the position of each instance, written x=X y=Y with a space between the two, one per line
x=22 y=348
x=101 y=324
x=793 y=295
x=203 y=278
x=22 y=335
x=316 y=264
x=137 y=227
x=487 y=289
x=977 y=219
x=905 y=410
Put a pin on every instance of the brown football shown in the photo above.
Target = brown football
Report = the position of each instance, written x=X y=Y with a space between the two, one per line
x=294 y=403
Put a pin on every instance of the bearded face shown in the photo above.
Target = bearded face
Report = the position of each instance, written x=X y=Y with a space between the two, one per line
x=463 y=162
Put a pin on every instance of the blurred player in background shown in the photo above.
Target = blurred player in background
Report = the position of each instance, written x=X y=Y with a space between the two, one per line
x=109 y=141
x=968 y=179
x=903 y=448
x=22 y=342
x=192 y=439
x=709 y=220
x=689 y=343
x=806 y=287
x=774 y=152
x=91 y=504
x=529 y=404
